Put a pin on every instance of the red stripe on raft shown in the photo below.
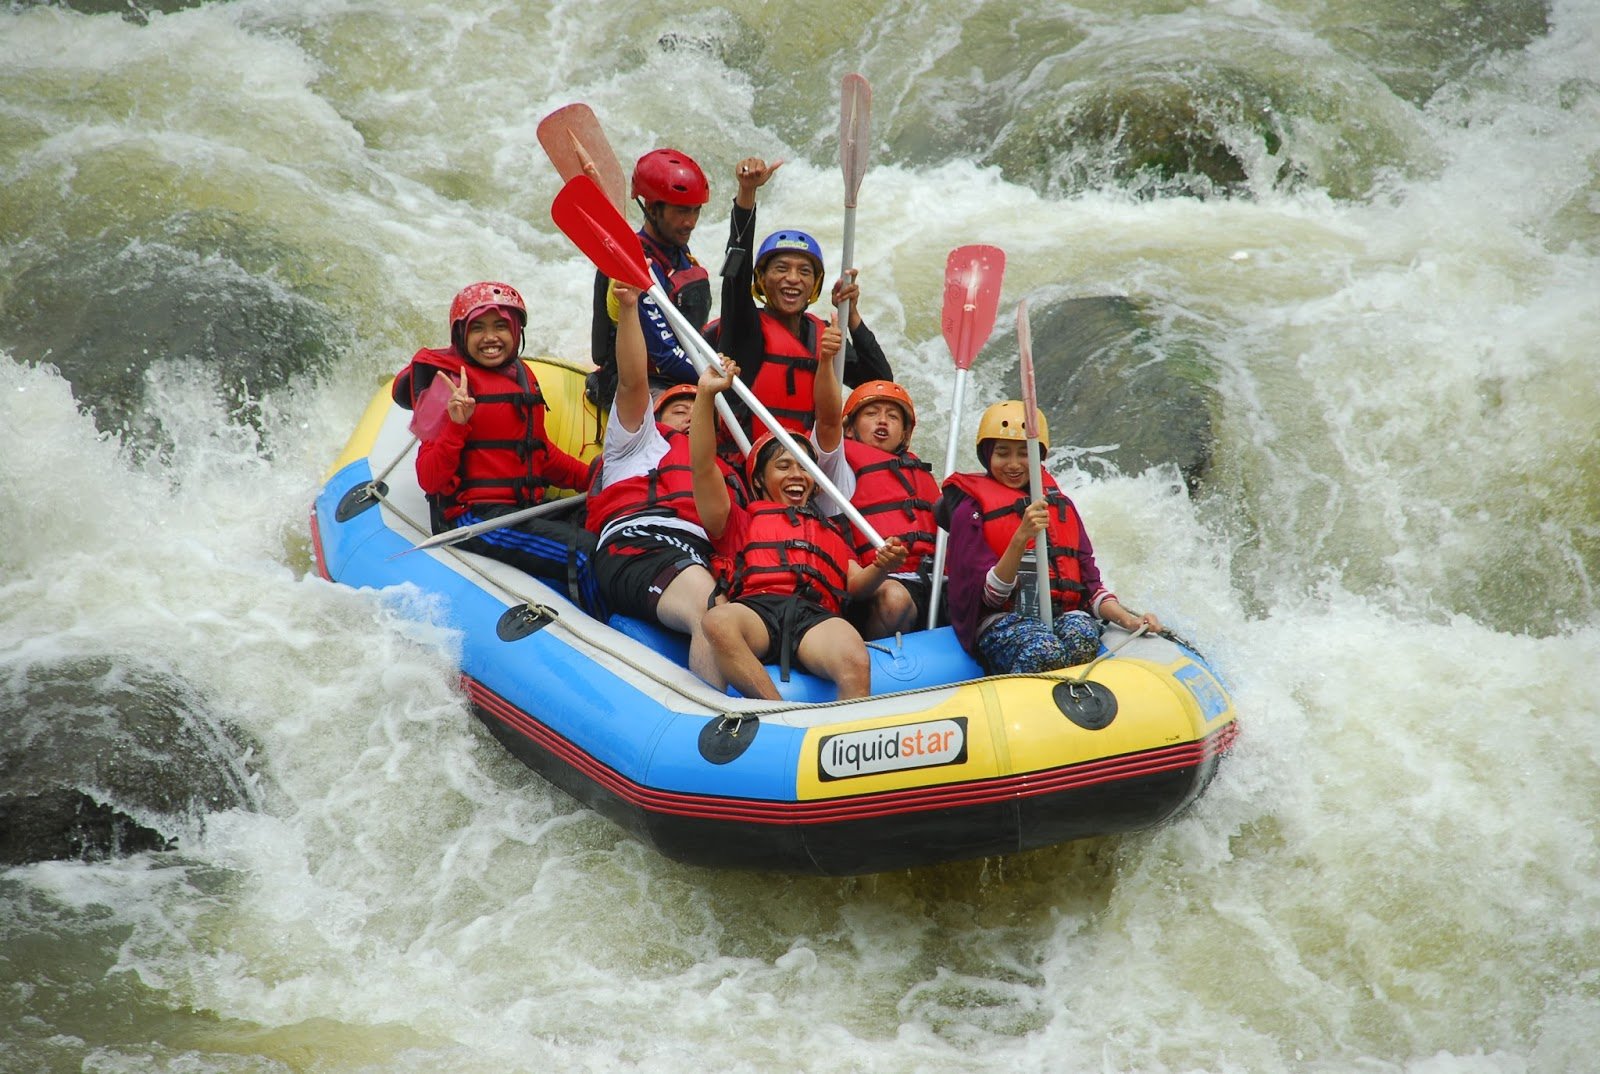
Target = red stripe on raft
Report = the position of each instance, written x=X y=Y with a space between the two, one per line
x=862 y=807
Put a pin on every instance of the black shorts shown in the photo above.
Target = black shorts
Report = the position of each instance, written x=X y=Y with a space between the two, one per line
x=635 y=566
x=559 y=551
x=921 y=590
x=775 y=609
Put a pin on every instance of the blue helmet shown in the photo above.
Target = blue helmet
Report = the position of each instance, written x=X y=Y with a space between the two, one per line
x=790 y=241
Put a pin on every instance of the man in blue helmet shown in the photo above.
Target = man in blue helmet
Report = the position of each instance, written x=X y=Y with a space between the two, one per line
x=777 y=344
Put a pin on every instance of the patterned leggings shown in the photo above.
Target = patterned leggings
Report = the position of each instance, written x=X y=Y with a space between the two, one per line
x=1020 y=645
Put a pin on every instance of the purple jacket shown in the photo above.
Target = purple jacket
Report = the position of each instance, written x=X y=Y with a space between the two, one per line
x=967 y=564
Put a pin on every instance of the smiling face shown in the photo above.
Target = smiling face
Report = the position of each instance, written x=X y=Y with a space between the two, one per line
x=881 y=423
x=1008 y=463
x=789 y=281
x=491 y=338
x=783 y=479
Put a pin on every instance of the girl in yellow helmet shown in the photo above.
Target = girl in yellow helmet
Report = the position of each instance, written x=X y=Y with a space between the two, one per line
x=992 y=523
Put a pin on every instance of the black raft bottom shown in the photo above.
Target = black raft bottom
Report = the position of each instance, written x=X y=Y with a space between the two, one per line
x=878 y=844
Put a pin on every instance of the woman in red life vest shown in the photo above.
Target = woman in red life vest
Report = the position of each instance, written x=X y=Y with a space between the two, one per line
x=791 y=568
x=489 y=455
x=895 y=492
x=992 y=525
x=670 y=190
x=777 y=344
x=654 y=560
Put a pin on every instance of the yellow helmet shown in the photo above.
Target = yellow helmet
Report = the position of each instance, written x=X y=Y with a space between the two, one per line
x=1005 y=421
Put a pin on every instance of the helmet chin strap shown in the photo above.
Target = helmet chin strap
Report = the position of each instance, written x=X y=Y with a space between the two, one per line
x=652 y=220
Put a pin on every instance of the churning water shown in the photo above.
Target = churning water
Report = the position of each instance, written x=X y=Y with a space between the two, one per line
x=1377 y=225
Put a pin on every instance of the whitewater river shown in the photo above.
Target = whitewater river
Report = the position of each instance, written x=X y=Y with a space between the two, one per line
x=222 y=225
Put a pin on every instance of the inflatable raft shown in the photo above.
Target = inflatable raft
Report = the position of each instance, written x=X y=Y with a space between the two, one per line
x=940 y=763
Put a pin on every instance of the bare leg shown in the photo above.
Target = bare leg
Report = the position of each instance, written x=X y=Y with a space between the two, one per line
x=892 y=612
x=833 y=650
x=738 y=641
x=683 y=608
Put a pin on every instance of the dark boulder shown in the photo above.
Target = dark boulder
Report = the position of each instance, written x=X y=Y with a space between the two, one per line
x=105 y=311
x=101 y=759
x=1115 y=389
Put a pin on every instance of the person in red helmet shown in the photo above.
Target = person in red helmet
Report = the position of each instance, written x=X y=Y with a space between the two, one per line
x=653 y=560
x=487 y=454
x=778 y=344
x=790 y=569
x=896 y=492
x=670 y=189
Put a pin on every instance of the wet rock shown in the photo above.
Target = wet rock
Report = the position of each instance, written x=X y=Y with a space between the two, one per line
x=1112 y=387
x=135 y=11
x=104 y=311
x=101 y=759
x=1197 y=106
x=1416 y=49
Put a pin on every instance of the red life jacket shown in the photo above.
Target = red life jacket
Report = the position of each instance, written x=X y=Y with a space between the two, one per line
x=896 y=493
x=786 y=381
x=789 y=551
x=689 y=286
x=666 y=490
x=1001 y=509
x=505 y=457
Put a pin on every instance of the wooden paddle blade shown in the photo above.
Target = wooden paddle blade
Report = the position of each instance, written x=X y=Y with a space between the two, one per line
x=1030 y=396
x=586 y=216
x=855 y=133
x=572 y=139
x=972 y=278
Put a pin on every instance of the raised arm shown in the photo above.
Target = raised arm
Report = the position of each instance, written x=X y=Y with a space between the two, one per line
x=827 y=392
x=711 y=498
x=740 y=328
x=865 y=359
x=632 y=404
x=752 y=173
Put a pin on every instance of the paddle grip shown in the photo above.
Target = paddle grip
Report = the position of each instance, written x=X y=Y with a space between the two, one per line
x=684 y=330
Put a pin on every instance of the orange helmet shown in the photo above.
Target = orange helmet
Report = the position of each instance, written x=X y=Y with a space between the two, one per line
x=667 y=395
x=874 y=391
x=753 y=460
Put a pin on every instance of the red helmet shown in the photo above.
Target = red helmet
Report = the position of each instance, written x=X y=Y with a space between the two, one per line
x=670 y=176
x=667 y=395
x=874 y=391
x=477 y=296
x=752 y=460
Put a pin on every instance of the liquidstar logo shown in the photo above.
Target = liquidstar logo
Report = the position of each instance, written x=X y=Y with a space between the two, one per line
x=891 y=749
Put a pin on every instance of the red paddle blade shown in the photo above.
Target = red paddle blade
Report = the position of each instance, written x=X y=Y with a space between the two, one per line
x=971 y=298
x=855 y=133
x=586 y=216
x=1030 y=396
x=572 y=139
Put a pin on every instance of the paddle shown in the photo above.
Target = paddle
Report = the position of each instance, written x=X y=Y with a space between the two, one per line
x=450 y=537
x=576 y=145
x=1030 y=428
x=572 y=139
x=972 y=276
x=595 y=227
x=855 y=127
